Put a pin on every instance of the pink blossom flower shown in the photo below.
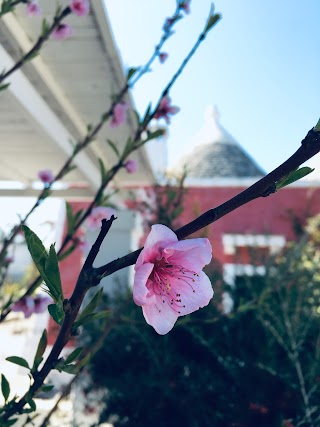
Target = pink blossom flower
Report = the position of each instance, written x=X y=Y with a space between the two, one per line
x=41 y=303
x=82 y=244
x=33 y=9
x=8 y=260
x=46 y=176
x=168 y=24
x=26 y=305
x=163 y=56
x=185 y=6
x=165 y=109
x=119 y=115
x=80 y=7
x=62 y=32
x=131 y=166
x=97 y=215
x=169 y=281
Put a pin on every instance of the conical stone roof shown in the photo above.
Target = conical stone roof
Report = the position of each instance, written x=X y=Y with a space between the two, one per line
x=219 y=155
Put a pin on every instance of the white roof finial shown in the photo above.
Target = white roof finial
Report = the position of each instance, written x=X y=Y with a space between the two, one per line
x=212 y=113
x=213 y=131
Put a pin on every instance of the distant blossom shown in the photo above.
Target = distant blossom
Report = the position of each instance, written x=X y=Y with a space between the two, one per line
x=170 y=21
x=131 y=166
x=82 y=244
x=119 y=115
x=46 y=176
x=8 y=260
x=24 y=305
x=99 y=213
x=41 y=303
x=185 y=6
x=169 y=281
x=62 y=32
x=163 y=56
x=165 y=109
x=33 y=9
x=29 y=305
x=80 y=7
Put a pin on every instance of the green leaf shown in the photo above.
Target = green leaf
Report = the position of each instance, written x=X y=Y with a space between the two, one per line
x=71 y=168
x=83 y=361
x=137 y=117
x=103 y=171
x=61 y=366
x=32 y=405
x=47 y=387
x=56 y=312
x=18 y=361
x=70 y=369
x=4 y=86
x=5 y=387
x=293 y=176
x=6 y=7
x=40 y=350
x=36 y=249
x=32 y=55
x=74 y=355
x=87 y=313
x=45 y=27
x=146 y=116
x=153 y=135
x=212 y=20
x=47 y=265
x=11 y=422
x=53 y=275
x=114 y=148
x=92 y=304
x=91 y=317
x=131 y=72
x=70 y=218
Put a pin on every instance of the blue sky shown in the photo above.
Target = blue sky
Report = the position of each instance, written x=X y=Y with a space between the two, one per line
x=260 y=66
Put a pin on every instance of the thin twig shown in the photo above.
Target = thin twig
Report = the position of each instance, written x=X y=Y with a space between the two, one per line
x=136 y=144
x=38 y=45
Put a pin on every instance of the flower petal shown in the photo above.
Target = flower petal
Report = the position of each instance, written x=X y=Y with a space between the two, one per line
x=173 y=110
x=161 y=319
x=140 y=289
x=159 y=236
x=192 y=254
x=192 y=301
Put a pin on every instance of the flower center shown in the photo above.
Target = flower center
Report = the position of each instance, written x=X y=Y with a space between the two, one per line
x=167 y=282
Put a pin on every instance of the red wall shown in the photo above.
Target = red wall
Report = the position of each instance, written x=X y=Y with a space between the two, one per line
x=267 y=215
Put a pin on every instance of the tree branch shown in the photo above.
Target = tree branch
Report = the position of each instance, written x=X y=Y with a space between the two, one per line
x=310 y=146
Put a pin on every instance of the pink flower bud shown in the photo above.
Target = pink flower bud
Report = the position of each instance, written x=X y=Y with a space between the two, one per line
x=33 y=9
x=8 y=260
x=168 y=24
x=62 y=32
x=119 y=115
x=80 y=7
x=163 y=56
x=165 y=109
x=46 y=176
x=99 y=213
x=185 y=6
x=131 y=166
